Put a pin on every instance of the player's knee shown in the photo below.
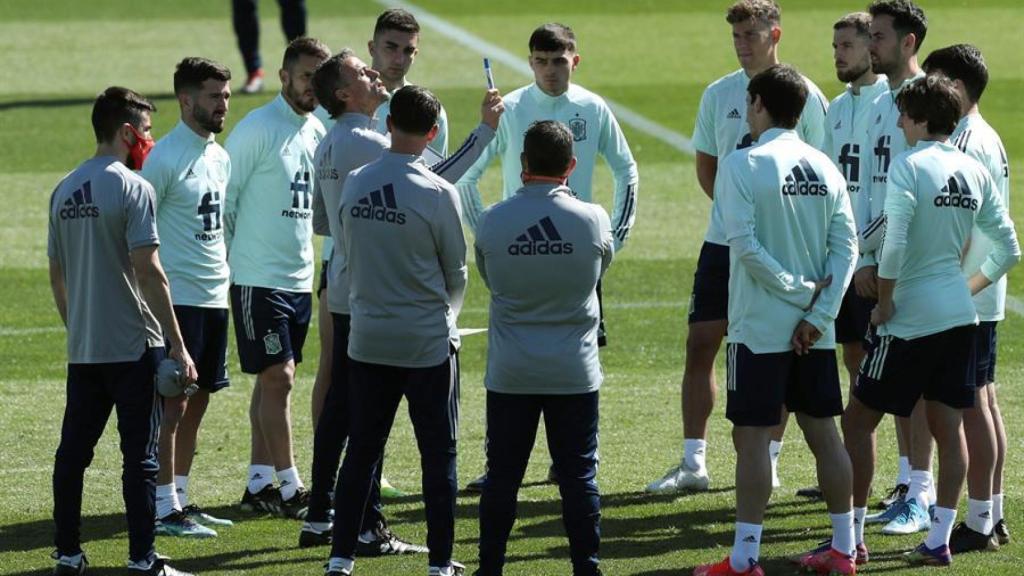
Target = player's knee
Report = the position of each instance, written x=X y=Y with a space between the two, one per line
x=701 y=346
x=278 y=379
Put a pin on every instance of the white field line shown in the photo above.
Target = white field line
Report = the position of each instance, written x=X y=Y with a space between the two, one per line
x=498 y=54
x=6 y=331
x=627 y=115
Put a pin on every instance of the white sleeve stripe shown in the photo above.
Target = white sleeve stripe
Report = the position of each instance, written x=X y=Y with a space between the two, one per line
x=627 y=209
x=446 y=164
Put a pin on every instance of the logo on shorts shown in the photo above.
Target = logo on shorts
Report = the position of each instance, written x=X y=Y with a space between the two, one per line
x=379 y=205
x=579 y=128
x=956 y=194
x=272 y=344
x=539 y=240
x=804 y=181
x=80 y=205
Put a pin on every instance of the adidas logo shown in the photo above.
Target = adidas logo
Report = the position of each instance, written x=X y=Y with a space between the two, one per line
x=956 y=194
x=751 y=539
x=986 y=515
x=804 y=181
x=878 y=119
x=540 y=239
x=190 y=174
x=734 y=115
x=79 y=205
x=379 y=205
x=839 y=124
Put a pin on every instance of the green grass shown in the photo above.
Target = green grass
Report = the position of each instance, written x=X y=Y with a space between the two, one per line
x=654 y=56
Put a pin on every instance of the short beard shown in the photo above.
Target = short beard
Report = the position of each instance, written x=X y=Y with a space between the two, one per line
x=205 y=121
x=851 y=74
x=296 y=99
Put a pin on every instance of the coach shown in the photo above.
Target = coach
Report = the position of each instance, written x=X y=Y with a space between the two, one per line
x=541 y=254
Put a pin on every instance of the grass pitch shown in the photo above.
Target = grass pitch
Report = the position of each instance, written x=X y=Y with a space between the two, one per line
x=654 y=56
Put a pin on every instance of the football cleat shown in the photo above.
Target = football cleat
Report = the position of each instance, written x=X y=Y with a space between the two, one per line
x=385 y=543
x=266 y=500
x=387 y=490
x=965 y=539
x=897 y=494
x=887 y=515
x=179 y=524
x=724 y=568
x=254 y=83
x=860 y=558
x=159 y=568
x=925 y=556
x=912 y=518
x=197 y=514
x=477 y=484
x=310 y=537
x=679 y=479
x=1002 y=532
x=457 y=570
x=67 y=567
x=829 y=561
x=297 y=506
x=813 y=492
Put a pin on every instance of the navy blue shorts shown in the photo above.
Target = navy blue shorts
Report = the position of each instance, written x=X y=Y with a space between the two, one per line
x=854 y=318
x=205 y=331
x=985 y=354
x=709 y=300
x=759 y=385
x=270 y=325
x=896 y=372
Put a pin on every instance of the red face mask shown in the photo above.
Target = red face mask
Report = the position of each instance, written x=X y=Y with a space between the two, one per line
x=137 y=152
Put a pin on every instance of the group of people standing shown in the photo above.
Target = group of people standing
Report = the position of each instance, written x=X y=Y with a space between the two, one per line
x=802 y=194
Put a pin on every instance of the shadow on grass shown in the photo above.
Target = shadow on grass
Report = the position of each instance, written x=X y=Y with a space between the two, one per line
x=198 y=564
x=39 y=533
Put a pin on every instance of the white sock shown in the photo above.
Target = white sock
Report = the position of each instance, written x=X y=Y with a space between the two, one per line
x=181 y=487
x=319 y=526
x=448 y=570
x=746 y=546
x=979 y=516
x=903 y=476
x=367 y=536
x=842 y=533
x=290 y=482
x=340 y=564
x=858 y=525
x=693 y=453
x=166 y=500
x=260 y=476
x=942 y=527
x=997 y=508
x=774 y=448
x=143 y=565
x=920 y=486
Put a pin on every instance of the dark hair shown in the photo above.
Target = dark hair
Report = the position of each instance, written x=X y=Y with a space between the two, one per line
x=933 y=99
x=783 y=93
x=907 y=18
x=116 y=106
x=962 y=62
x=304 y=46
x=859 y=21
x=764 y=11
x=192 y=72
x=396 y=19
x=414 y=110
x=553 y=37
x=328 y=78
x=548 y=148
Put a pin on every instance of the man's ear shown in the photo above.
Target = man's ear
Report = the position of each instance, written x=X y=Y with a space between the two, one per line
x=432 y=133
x=575 y=61
x=283 y=76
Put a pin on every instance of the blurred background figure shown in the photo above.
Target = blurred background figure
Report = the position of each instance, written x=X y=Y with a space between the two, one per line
x=245 y=18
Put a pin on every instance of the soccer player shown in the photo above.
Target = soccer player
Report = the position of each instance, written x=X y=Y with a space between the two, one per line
x=898 y=28
x=245 y=19
x=721 y=129
x=189 y=173
x=541 y=253
x=983 y=424
x=112 y=295
x=792 y=241
x=925 y=318
x=351 y=91
x=401 y=233
x=393 y=50
x=552 y=96
x=847 y=120
x=268 y=213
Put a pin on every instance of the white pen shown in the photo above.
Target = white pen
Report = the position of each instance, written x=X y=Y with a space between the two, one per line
x=487 y=72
